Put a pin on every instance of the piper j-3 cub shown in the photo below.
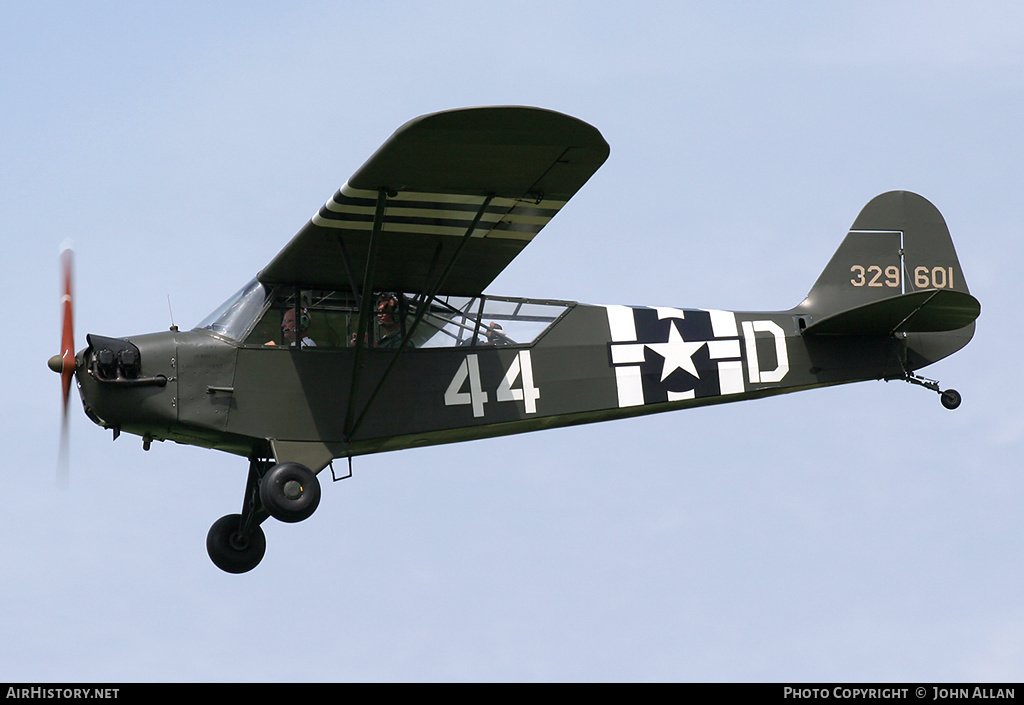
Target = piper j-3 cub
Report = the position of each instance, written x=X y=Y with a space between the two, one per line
x=370 y=331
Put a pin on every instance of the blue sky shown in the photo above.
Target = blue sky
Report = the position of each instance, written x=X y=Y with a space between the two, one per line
x=855 y=533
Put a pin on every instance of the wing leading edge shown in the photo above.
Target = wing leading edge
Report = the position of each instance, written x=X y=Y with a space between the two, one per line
x=502 y=171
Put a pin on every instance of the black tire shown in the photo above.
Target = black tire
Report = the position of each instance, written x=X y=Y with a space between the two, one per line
x=950 y=398
x=290 y=492
x=230 y=549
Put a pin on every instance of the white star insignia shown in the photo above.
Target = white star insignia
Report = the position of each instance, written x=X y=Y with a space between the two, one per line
x=677 y=352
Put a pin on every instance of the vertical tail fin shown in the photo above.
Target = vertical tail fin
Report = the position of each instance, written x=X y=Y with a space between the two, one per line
x=895 y=272
x=898 y=244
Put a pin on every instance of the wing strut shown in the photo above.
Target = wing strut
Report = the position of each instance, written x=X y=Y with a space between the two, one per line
x=362 y=331
x=421 y=310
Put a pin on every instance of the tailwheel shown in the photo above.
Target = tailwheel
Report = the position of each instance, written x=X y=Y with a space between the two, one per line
x=290 y=492
x=233 y=549
x=950 y=398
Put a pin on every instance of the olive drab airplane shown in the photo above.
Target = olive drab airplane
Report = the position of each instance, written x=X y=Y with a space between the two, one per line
x=370 y=331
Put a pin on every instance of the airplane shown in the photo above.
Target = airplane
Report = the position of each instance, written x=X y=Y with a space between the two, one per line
x=370 y=331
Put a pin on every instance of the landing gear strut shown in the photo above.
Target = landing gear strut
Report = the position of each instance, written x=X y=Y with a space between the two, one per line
x=289 y=492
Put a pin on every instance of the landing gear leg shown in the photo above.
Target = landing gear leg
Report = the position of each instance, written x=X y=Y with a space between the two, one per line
x=288 y=492
x=236 y=543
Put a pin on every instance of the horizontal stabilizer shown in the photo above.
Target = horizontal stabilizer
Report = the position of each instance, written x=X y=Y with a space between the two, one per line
x=928 y=311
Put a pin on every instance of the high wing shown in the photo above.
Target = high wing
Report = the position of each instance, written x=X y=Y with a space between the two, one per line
x=445 y=203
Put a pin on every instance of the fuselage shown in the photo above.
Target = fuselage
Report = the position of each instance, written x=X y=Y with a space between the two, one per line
x=592 y=363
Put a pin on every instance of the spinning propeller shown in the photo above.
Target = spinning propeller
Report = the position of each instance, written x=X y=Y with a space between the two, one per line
x=64 y=363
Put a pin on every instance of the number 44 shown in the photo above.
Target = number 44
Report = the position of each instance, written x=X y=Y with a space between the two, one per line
x=469 y=370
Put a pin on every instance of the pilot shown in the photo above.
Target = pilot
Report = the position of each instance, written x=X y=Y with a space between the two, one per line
x=389 y=330
x=289 y=329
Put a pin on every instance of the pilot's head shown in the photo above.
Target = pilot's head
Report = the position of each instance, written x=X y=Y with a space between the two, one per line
x=288 y=326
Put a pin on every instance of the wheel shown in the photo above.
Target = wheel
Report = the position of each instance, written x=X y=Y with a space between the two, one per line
x=950 y=398
x=231 y=550
x=290 y=492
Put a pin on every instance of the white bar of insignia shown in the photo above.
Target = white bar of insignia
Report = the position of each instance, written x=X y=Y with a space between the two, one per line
x=630 y=386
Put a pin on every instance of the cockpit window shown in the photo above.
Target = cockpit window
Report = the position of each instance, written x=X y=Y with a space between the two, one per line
x=237 y=315
x=318 y=320
x=485 y=321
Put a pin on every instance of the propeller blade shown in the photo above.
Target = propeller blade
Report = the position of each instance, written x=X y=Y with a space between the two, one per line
x=67 y=357
x=67 y=340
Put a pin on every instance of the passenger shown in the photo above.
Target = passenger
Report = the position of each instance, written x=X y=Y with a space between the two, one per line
x=493 y=335
x=389 y=330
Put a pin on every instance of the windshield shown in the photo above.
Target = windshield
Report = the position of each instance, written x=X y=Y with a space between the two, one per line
x=234 y=317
